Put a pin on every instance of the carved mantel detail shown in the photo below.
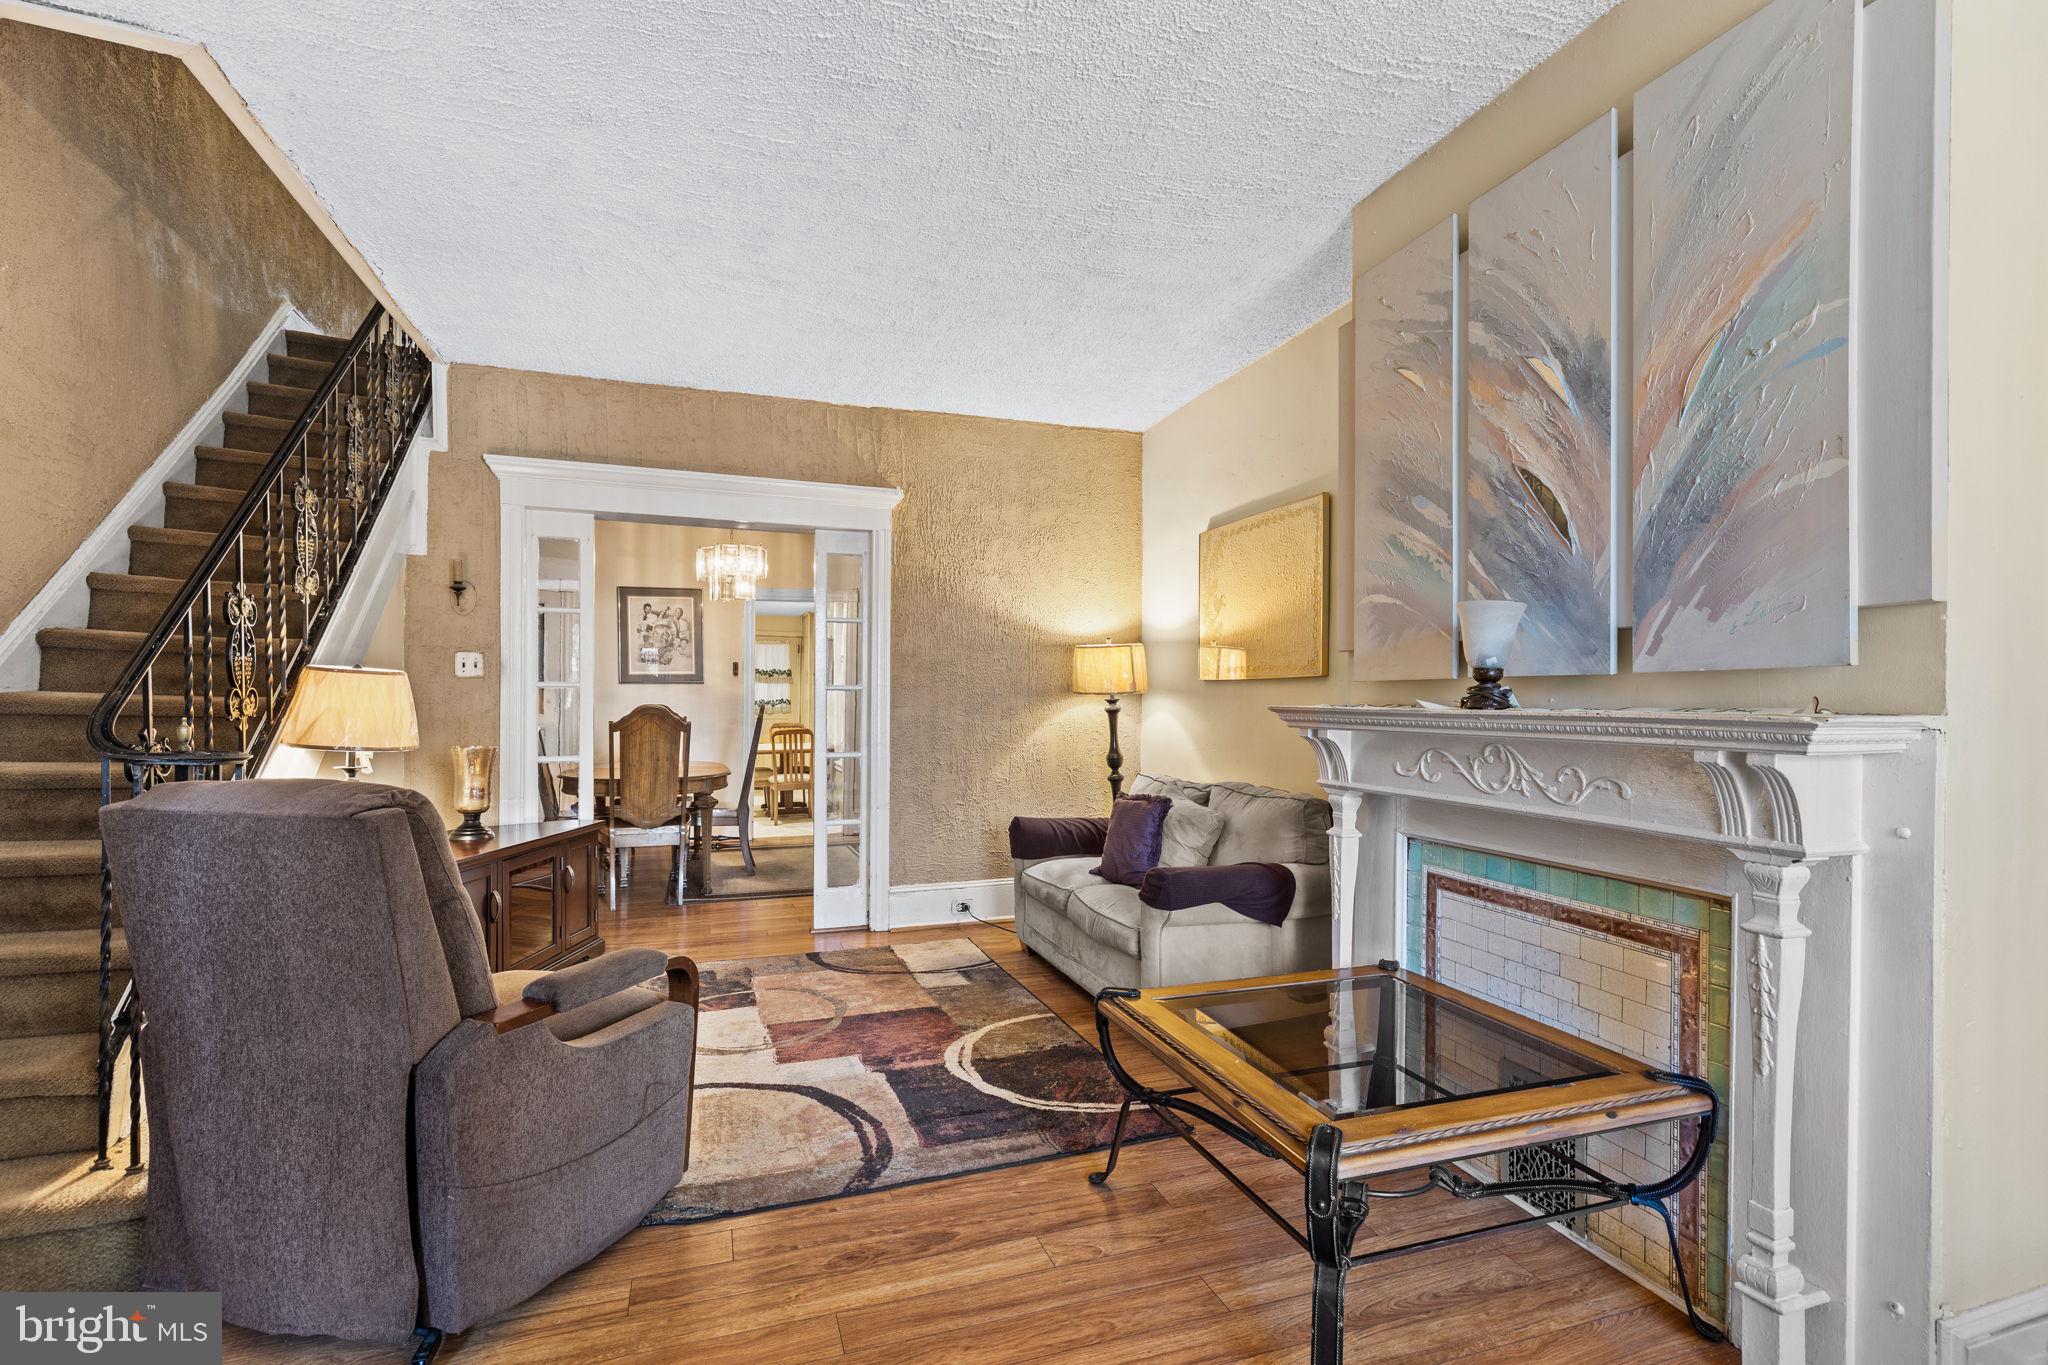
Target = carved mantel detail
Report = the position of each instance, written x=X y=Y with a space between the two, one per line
x=1568 y=786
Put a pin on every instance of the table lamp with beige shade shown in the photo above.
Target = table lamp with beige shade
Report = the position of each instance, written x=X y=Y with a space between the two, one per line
x=354 y=711
x=1113 y=671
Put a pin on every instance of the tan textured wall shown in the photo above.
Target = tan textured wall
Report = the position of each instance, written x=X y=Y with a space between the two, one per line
x=1270 y=433
x=1994 y=1039
x=1013 y=541
x=143 y=244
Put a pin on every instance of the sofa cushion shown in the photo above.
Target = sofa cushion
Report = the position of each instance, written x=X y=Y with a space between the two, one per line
x=1190 y=835
x=1262 y=825
x=1136 y=831
x=1053 y=880
x=1110 y=913
x=1146 y=784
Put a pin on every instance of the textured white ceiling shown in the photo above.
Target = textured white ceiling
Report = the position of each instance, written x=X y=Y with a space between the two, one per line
x=1073 y=211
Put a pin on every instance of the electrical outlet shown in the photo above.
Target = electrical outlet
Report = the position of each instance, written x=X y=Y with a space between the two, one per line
x=964 y=908
x=469 y=663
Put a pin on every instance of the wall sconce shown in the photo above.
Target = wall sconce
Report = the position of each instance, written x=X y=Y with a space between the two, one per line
x=459 y=584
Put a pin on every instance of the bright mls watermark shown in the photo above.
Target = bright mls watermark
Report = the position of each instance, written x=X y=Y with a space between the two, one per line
x=165 y=1329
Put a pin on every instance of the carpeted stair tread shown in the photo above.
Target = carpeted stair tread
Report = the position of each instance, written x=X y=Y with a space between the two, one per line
x=49 y=703
x=42 y=952
x=26 y=775
x=139 y=582
x=48 y=857
x=274 y=400
x=91 y=637
x=42 y=1194
x=252 y=460
x=314 y=345
x=65 y=1064
x=206 y=492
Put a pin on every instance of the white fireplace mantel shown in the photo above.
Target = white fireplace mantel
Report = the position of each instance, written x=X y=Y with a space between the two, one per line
x=1819 y=830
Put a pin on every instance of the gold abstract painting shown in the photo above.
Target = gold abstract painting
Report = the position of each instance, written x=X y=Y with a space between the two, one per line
x=1264 y=588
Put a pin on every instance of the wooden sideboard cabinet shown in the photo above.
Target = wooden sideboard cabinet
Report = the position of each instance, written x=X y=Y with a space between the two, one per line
x=535 y=890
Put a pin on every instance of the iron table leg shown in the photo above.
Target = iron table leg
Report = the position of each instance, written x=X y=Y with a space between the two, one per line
x=1116 y=1145
x=1336 y=1211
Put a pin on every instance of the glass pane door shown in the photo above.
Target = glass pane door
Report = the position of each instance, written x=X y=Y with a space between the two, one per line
x=557 y=659
x=842 y=723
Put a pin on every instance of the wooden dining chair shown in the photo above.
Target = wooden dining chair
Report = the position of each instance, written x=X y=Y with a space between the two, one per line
x=789 y=749
x=740 y=818
x=644 y=805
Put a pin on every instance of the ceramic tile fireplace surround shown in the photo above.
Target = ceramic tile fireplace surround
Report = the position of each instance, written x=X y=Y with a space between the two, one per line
x=1746 y=896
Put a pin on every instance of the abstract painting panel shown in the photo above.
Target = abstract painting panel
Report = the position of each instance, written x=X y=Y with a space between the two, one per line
x=1406 y=415
x=1743 y=539
x=1540 y=295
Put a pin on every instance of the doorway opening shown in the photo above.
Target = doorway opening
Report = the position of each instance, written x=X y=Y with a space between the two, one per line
x=783 y=684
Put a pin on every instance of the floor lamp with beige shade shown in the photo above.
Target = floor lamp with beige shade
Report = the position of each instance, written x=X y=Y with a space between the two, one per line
x=354 y=711
x=1113 y=671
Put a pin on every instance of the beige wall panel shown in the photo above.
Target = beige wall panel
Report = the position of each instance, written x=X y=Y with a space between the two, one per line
x=1993 y=1182
x=143 y=245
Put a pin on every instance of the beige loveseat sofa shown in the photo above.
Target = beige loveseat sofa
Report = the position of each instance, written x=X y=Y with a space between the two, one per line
x=1100 y=933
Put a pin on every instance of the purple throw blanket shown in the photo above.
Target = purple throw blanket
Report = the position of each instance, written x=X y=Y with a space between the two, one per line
x=1057 y=836
x=1260 y=891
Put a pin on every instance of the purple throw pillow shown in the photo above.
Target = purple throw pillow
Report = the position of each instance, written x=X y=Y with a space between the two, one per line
x=1137 y=827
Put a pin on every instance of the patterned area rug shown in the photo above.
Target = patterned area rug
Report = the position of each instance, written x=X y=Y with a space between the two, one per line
x=830 y=1074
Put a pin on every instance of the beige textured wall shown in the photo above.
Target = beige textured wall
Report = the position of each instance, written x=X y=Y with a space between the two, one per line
x=1013 y=541
x=1994 y=1043
x=142 y=246
x=1270 y=433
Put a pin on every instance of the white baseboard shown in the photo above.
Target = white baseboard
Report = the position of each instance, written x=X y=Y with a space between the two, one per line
x=66 y=599
x=2011 y=1331
x=912 y=907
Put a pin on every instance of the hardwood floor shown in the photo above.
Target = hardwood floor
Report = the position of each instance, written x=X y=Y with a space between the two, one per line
x=1168 y=1264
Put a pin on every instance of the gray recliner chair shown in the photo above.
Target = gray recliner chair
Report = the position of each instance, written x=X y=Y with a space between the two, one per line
x=357 y=1129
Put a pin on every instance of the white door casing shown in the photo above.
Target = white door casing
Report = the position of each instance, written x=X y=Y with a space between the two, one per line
x=528 y=486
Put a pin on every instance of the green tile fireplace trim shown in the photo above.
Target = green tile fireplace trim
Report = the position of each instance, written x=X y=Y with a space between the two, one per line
x=1708 y=915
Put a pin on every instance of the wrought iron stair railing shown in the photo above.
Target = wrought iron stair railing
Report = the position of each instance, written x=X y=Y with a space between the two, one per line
x=205 y=693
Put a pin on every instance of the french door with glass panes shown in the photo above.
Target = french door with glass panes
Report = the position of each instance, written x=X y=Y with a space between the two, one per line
x=842 y=840
x=558 y=580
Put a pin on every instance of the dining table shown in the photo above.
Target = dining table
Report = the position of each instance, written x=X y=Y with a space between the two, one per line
x=699 y=787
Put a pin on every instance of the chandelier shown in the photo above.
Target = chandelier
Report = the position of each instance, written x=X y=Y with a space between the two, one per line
x=732 y=572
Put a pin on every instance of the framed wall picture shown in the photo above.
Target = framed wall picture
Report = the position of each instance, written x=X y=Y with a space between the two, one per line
x=1263 y=585
x=661 y=635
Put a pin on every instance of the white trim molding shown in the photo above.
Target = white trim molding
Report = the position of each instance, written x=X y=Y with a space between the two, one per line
x=1814 y=829
x=2012 y=1331
x=624 y=492
x=66 y=600
x=934 y=903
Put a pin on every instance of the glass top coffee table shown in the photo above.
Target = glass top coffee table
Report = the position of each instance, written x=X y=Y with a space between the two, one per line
x=1355 y=1074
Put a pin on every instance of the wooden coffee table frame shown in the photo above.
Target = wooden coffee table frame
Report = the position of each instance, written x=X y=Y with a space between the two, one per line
x=1339 y=1158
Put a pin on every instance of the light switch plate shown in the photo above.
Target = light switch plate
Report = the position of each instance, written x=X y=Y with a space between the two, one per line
x=469 y=663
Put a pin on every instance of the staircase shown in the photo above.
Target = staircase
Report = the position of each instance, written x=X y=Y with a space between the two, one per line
x=63 y=1223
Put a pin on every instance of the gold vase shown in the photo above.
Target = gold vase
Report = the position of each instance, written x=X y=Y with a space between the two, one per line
x=474 y=765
